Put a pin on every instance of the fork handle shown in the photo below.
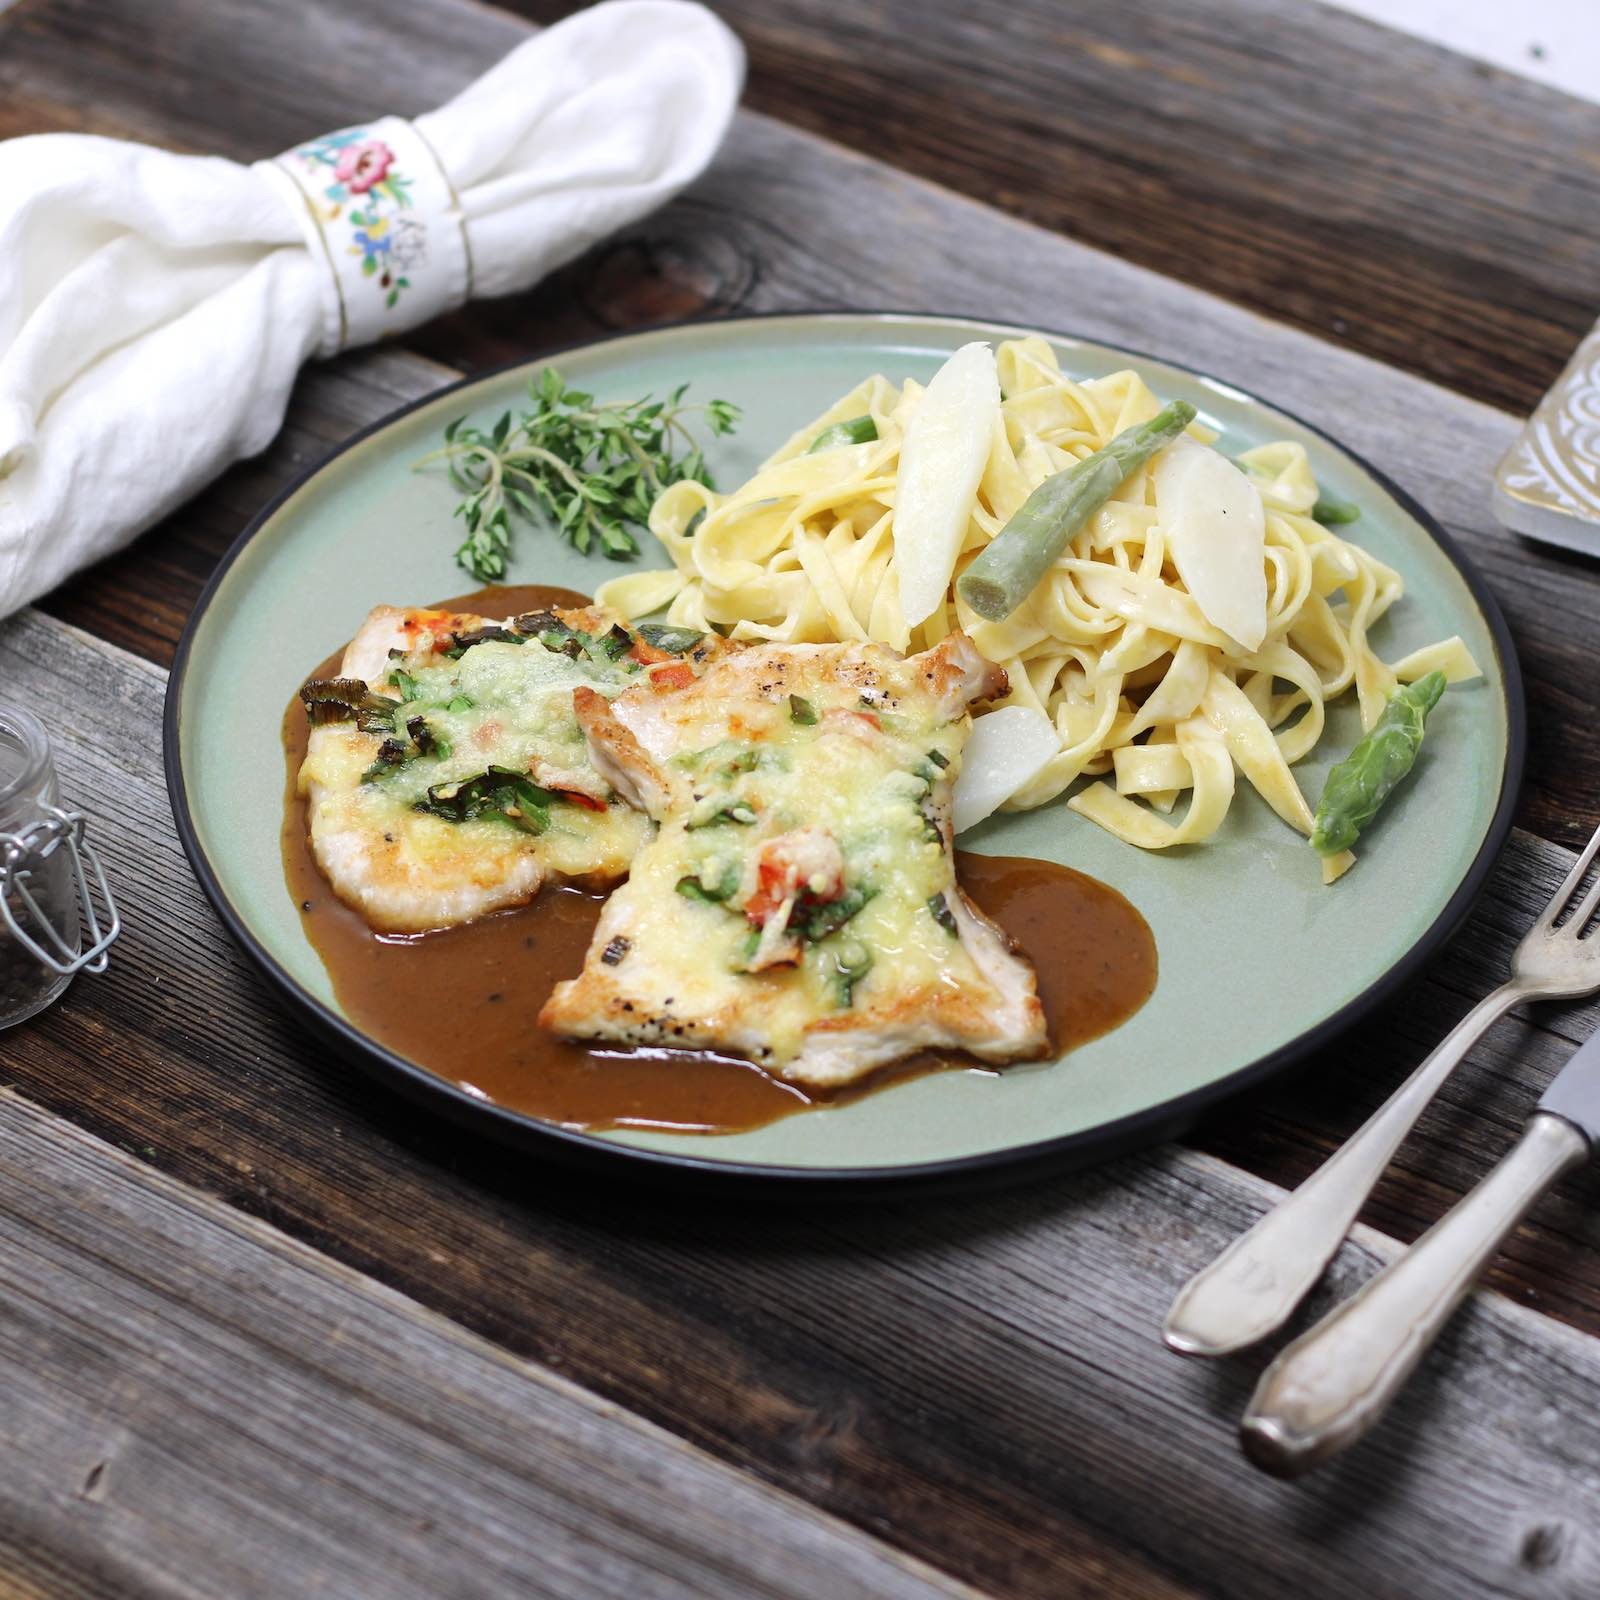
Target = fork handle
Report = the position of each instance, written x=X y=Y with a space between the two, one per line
x=1252 y=1288
x=1329 y=1387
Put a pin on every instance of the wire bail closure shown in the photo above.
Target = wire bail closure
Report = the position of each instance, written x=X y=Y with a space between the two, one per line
x=58 y=830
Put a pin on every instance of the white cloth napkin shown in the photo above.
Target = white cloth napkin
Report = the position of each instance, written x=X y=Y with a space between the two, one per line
x=154 y=308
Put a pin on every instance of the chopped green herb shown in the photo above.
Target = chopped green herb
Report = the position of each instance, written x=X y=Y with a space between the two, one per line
x=943 y=915
x=590 y=469
x=460 y=702
x=939 y=759
x=852 y=961
x=547 y=629
x=675 y=641
x=802 y=711
x=427 y=741
x=613 y=645
x=747 y=760
x=729 y=811
x=376 y=714
x=693 y=888
x=562 y=641
x=498 y=794
x=405 y=683
x=392 y=753
x=820 y=921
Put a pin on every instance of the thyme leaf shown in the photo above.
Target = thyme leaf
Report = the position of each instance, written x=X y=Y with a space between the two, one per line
x=590 y=468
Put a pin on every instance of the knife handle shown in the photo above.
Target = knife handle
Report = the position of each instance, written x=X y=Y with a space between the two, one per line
x=1328 y=1388
x=1252 y=1288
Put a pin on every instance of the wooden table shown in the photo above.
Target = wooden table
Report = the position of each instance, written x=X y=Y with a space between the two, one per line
x=268 y=1332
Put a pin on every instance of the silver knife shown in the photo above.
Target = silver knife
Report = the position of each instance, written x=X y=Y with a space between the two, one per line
x=1328 y=1388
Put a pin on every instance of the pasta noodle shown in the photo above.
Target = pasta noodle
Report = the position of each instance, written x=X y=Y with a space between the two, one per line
x=1144 y=693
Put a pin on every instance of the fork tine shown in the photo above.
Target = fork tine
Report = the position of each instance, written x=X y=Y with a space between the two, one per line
x=1570 y=884
x=1579 y=920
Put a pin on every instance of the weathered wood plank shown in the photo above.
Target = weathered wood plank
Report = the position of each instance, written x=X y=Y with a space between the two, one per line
x=193 y=1405
x=1279 y=153
x=884 y=1365
x=977 y=1380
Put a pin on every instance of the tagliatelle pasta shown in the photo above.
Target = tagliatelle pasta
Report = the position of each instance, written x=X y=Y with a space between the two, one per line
x=1143 y=691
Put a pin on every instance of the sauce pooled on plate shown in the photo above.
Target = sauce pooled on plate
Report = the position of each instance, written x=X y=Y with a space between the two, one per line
x=463 y=1002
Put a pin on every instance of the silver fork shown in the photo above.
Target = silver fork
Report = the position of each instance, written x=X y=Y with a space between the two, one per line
x=1252 y=1288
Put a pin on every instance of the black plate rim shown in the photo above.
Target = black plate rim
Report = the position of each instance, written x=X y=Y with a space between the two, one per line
x=1009 y=1163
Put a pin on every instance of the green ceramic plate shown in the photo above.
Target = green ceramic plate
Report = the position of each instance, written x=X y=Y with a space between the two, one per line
x=1258 y=961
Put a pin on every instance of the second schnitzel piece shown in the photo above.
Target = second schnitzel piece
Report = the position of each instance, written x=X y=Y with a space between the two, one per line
x=446 y=775
x=799 y=906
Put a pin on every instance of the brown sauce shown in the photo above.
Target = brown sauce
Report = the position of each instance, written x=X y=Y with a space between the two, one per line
x=464 y=1002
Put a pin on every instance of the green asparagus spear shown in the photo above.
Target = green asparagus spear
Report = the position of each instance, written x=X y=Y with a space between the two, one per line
x=1366 y=777
x=1331 y=513
x=1006 y=571
x=858 y=430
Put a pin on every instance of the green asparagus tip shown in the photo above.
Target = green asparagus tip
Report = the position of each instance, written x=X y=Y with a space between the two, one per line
x=1332 y=513
x=1007 y=570
x=1360 y=784
x=1426 y=690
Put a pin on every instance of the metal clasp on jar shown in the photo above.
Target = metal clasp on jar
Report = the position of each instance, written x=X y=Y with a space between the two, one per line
x=20 y=854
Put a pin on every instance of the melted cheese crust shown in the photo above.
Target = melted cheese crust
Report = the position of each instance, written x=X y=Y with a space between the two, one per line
x=799 y=905
x=496 y=705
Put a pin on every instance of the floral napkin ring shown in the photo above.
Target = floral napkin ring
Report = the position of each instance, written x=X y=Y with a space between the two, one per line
x=379 y=212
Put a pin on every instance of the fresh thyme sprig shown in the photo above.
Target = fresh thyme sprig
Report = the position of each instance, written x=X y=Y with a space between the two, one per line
x=594 y=470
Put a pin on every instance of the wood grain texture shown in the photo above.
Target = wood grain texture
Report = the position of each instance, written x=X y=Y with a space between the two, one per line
x=963 y=1379
x=1413 y=204
x=1407 y=202
x=195 y=1406
x=976 y=1380
x=1440 y=446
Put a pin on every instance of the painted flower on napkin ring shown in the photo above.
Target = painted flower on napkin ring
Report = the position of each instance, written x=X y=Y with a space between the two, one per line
x=372 y=244
x=369 y=199
x=359 y=166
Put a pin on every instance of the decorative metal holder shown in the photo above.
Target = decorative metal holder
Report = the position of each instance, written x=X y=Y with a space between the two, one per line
x=1548 y=485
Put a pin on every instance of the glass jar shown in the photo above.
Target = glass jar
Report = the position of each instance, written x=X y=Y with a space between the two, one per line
x=53 y=891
